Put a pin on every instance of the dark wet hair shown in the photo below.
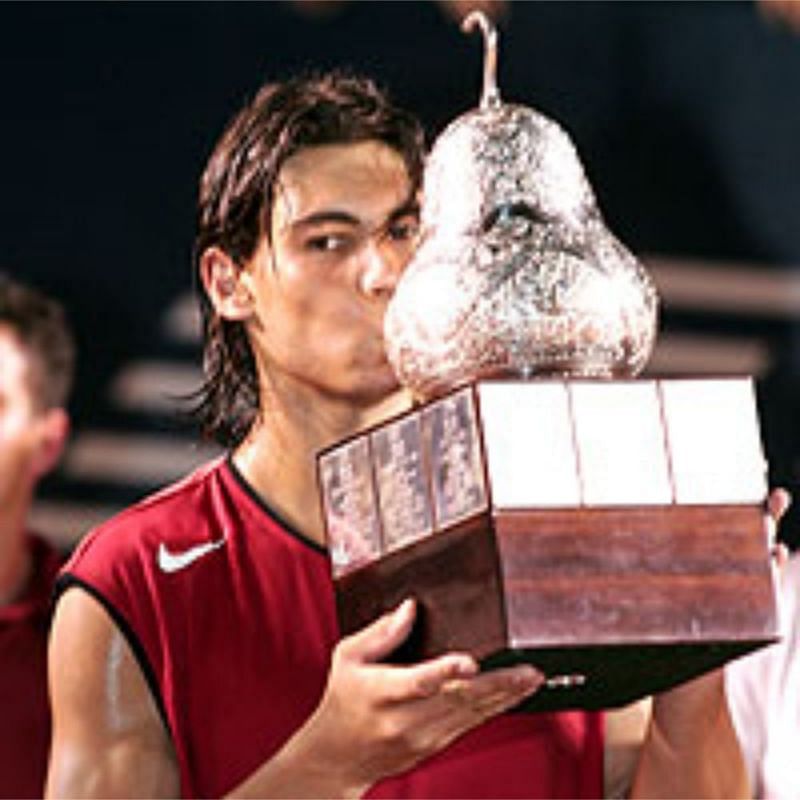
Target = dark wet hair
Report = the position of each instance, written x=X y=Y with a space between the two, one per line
x=235 y=203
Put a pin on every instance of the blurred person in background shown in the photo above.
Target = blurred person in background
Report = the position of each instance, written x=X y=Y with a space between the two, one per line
x=764 y=697
x=36 y=369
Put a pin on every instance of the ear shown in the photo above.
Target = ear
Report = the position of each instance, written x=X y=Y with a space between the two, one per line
x=226 y=284
x=52 y=437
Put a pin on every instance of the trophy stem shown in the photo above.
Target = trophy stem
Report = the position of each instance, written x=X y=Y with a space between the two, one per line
x=490 y=98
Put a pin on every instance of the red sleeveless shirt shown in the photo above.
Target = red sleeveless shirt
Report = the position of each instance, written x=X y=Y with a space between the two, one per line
x=230 y=613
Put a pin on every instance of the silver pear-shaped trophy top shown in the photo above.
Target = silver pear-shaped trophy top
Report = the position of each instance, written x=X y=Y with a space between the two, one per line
x=515 y=274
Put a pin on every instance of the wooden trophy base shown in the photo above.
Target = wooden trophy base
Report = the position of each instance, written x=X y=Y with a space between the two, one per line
x=610 y=605
x=611 y=602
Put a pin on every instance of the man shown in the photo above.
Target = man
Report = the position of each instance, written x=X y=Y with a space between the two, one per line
x=194 y=647
x=36 y=366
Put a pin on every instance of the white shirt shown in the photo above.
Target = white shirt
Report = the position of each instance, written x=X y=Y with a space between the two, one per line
x=764 y=697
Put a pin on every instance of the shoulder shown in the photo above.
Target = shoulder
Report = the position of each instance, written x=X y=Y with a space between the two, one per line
x=171 y=514
x=118 y=562
x=116 y=559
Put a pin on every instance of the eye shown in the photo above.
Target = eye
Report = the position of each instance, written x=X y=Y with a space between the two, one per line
x=404 y=229
x=327 y=243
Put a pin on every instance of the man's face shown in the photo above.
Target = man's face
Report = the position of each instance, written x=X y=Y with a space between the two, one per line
x=19 y=420
x=343 y=227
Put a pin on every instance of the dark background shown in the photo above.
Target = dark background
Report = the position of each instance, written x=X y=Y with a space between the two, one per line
x=687 y=116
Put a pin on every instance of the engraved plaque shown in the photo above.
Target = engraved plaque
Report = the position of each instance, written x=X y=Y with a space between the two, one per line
x=451 y=439
x=530 y=449
x=403 y=493
x=622 y=456
x=348 y=499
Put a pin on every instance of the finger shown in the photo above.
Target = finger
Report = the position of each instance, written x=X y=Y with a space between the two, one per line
x=381 y=637
x=403 y=683
x=456 y=674
x=491 y=692
x=465 y=704
x=778 y=503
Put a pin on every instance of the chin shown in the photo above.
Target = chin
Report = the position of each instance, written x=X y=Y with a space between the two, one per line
x=377 y=387
x=380 y=390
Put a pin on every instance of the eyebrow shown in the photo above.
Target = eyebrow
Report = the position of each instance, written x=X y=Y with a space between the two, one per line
x=410 y=206
x=321 y=217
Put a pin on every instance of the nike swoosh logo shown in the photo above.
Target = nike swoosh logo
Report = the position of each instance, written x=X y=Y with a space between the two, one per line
x=172 y=562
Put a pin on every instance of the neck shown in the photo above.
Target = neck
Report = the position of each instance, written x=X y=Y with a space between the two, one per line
x=14 y=556
x=278 y=458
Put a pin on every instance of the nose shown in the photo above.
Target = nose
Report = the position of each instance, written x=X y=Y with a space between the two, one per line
x=380 y=270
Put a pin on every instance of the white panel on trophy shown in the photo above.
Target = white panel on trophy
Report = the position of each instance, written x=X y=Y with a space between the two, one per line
x=529 y=444
x=714 y=441
x=622 y=456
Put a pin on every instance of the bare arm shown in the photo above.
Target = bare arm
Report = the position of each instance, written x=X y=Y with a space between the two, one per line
x=108 y=737
x=374 y=719
x=678 y=744
x=691 y=749
x=625 y=731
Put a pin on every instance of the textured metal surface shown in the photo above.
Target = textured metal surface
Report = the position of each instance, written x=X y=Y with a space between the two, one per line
x=516 y=272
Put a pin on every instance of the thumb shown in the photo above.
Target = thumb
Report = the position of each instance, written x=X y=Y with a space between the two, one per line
x=381 y=637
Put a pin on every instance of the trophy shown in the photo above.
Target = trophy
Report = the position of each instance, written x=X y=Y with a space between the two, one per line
x=540 y=501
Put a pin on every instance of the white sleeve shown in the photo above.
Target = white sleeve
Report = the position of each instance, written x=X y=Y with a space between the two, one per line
x=763 y=692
